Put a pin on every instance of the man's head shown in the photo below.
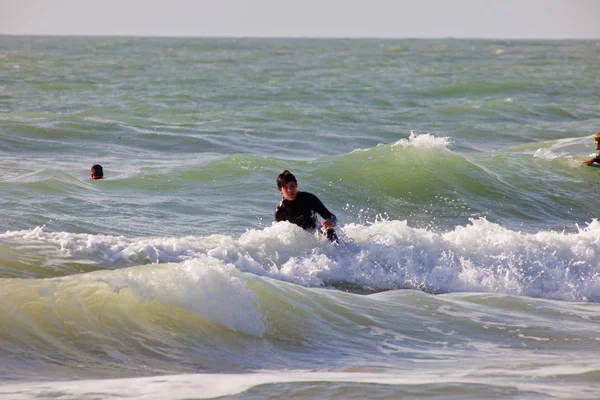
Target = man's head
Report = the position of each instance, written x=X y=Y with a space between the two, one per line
x=96 y=172
x=597 y=140
x=287 y=185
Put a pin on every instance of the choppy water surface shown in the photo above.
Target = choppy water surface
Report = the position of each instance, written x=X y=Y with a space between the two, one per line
x=470 y=257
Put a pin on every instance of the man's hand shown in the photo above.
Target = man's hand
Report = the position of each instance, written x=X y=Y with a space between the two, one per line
x=327 y=224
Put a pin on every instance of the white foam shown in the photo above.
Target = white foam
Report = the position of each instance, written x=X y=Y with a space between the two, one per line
x=546 y=154
x=424 y=141
x=481 y=256
x=115 y=249
x=205 y=286
x=204 y=386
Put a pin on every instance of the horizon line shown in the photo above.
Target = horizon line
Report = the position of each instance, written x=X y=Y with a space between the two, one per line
x=153 y=36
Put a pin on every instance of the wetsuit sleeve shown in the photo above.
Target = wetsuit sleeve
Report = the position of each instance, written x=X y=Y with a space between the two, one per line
x=320 y=209
x=279 y=213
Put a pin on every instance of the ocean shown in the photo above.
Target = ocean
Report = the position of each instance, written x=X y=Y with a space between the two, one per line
x=469 y=258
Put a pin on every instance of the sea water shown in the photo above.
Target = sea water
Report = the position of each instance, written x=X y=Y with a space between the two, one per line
x=469 y=262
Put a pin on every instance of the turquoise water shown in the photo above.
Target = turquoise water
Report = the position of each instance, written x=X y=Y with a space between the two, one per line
x=470 y=262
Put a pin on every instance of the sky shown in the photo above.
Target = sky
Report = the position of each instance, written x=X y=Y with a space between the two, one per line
x=484 y=19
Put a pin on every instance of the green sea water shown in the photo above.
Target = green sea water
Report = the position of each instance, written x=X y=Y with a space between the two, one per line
x=186 y=122
x=469 y=264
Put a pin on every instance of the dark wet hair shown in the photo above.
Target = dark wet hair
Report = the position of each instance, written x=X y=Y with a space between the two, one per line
x=284 y=178
x=97 y=170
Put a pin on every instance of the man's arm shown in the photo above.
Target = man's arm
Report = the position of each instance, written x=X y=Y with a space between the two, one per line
x=328 y=216
x=279 y=212
x=593 y=160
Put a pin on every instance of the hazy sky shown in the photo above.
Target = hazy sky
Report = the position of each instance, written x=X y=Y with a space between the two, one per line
x=521 y=19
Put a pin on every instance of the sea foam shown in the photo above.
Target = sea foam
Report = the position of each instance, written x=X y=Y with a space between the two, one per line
x=388 y=254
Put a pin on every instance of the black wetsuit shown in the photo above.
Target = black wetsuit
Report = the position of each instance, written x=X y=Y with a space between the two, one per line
x=301 y=211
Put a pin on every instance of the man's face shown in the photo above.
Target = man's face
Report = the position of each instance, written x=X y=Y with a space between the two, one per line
x=289 y=191
x=597 y=143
